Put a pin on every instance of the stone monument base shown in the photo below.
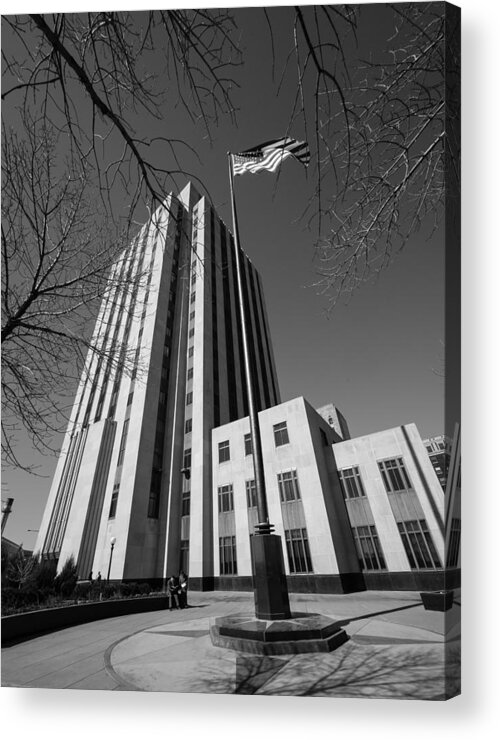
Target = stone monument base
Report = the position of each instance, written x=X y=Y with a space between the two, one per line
x=301 y=633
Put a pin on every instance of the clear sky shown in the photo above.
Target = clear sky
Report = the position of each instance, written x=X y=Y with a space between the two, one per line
x=379 y=358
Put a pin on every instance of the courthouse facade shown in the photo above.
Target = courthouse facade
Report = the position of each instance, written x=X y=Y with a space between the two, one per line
x=156 y=472
x=353 y=514
x=135 y=461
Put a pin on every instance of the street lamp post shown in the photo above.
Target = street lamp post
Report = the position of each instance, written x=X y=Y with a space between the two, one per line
x=6 y=511
x=112 y=543
x=270 y=589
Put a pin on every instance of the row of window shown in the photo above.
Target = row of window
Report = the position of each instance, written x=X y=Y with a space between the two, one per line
x=416 y=540
x=288 y=485
x=297 y=549
x=415 y=536
x=393 y=474
x=280 y=438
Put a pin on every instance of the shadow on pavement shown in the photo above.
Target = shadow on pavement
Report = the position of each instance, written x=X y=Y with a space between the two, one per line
x=347 y=620
x=351 y=671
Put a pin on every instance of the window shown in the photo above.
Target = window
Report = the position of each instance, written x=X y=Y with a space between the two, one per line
x=280 y=434
x=189 y=398
x=191 y=332
x=193 y=297
x=187 y=458
x=418 y=544
x=130 y=397
x=394 y=475
x=368 y=548
x=186 y=503
x=297 y=548
x=227 y=556
x=225 y=495
x=191 y=315
x=188 y=426
x=191 y=352
x=224 y=452
x=251 y=493
x=248 y=444
x=190 y=373
x=123 y=442
x=352 y=485
x=454 y=547
x=289 y=486
x=114 y=501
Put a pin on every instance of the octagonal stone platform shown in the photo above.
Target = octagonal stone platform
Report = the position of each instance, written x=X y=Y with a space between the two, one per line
x=302 y=633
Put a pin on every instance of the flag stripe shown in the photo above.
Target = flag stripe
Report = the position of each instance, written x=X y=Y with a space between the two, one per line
x=270 y=159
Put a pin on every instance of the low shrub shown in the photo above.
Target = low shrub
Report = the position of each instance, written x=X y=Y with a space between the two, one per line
x=127 y=589
x=14 y=599
x=46 y=593
x=95 y=593
x=132 y=588
x=109 y=591
x=82 y=590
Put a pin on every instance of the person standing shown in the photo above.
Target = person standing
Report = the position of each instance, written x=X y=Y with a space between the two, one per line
x=183 y=589
x=173 y=592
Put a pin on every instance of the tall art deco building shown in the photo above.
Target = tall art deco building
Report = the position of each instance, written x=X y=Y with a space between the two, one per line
x=136 y=460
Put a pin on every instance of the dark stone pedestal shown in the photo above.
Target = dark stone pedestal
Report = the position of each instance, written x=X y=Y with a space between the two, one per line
x=270 y=589
x=301 y=633
x=437 y=601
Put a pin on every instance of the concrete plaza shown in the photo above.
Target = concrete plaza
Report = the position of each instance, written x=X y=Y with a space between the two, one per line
x=396 y=650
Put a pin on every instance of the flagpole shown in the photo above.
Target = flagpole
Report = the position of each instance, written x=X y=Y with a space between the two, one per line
x=269 y=578
x=263 y=526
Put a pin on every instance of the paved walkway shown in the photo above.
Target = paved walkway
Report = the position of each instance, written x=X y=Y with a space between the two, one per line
x=396 y=650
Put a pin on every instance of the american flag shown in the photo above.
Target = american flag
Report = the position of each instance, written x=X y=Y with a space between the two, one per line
x=270 y=155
